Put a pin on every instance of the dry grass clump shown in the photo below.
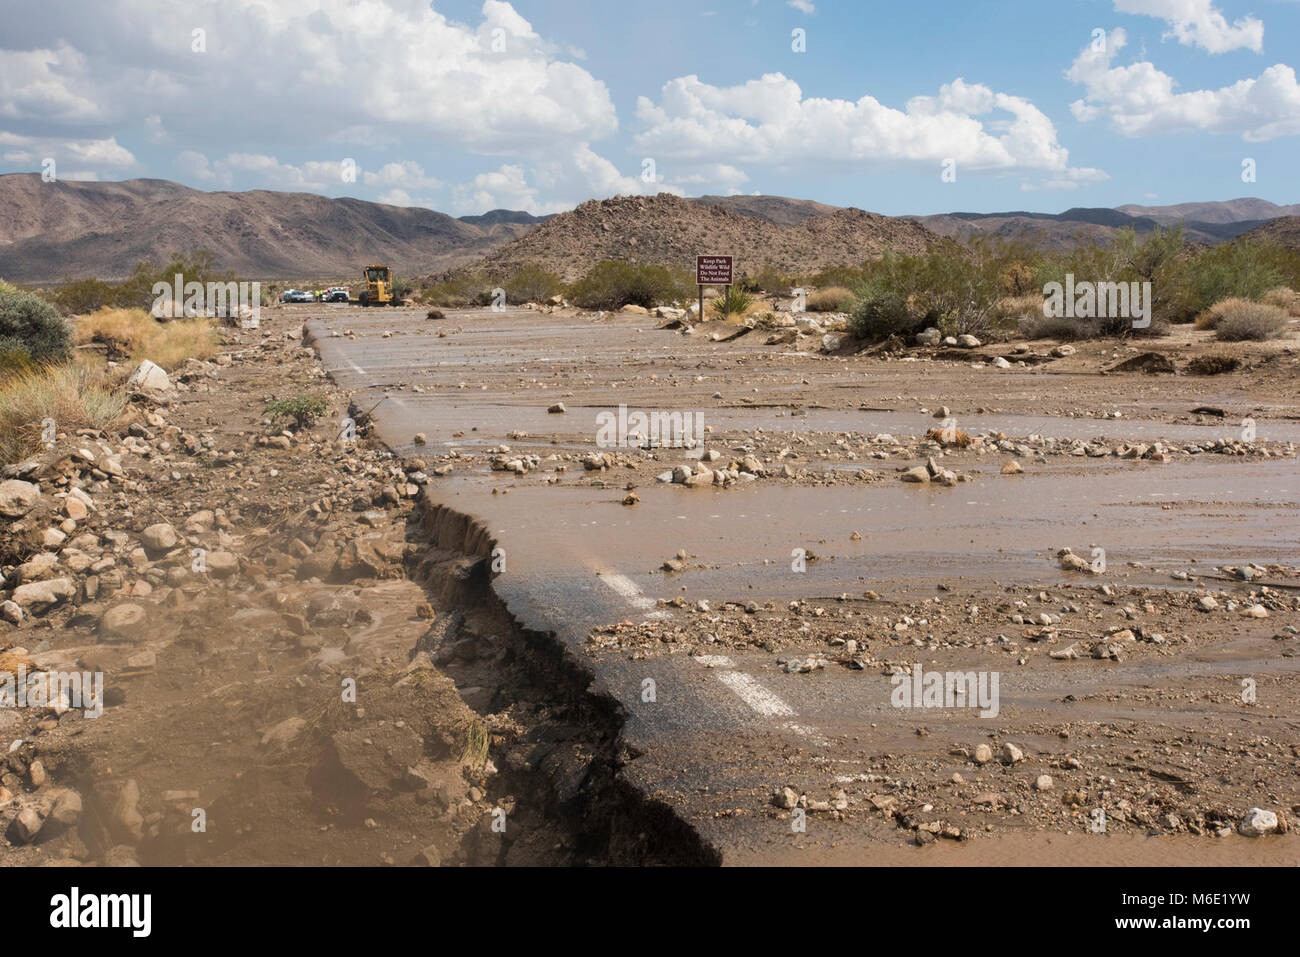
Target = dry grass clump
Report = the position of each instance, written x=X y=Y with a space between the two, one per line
x=1236 y=320
x=1285 y=298
x=73 y=396
x=135 y=335
x=831 y=299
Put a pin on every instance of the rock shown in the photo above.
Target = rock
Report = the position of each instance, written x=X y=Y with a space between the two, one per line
x=17 y=498
x=1207 y=603
x=1012 y=468
x=221 y=564
x=1043 y=782
x=148 y=376
x=919 y=474
x=127 y=820
x=122 y=621
x=1064 y=350
x=11 y=612
x=929 y=337
x=1258 y=822
x=159 y=538
x=25 y=826
x=36 y=775
x=1011 y=754
x=786 y=798
x=968 y=341
x=1255 y=611
x=420 y=438
x=428 y=856
x=1001 y=363
x=38 y=596
x=983 y=754
x=557 y=409
x=67 y=810
x=830 y=342
x=279 y=736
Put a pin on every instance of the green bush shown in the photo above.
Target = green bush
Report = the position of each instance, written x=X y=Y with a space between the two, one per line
x=530 y=283
x=611 y=285
x=303 y=409
x=877 y=316
x=28 y=319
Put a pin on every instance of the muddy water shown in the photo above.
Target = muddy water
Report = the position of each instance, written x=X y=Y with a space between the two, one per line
x=1205 y=509
x=577 y=558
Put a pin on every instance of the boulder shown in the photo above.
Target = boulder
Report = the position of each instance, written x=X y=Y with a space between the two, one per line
x=17 y=498
x=37 y=596
x=148 y=376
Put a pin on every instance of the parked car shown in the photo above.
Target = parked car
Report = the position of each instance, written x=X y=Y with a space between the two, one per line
x=336 y=294
x=296 y=295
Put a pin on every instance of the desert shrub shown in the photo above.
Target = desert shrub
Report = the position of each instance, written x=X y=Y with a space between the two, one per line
x=303 y=409
x=832 y=299
x=1214 y=363
x=74 y=396
x=135 y=334
x=85 y=295
x=29 y=319
x=1284 y=297
x=876 y=316
x=1241 y=269
x=1015 y=281
x=773 y=281
x=1211 y=317
x=950 y=286
x=403 y=287
x=14 y=358
x=611 y=285
x=736 y=302
x=1039 y=326
x=463 y=289
x=531 y=284
x=1256 y=321
x=1010 y=309
x=136 y=291
x=846 y=276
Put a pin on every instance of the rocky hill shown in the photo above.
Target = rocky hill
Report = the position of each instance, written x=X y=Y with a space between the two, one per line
x=669 y=230
x=52 y=231
x=1284 y=231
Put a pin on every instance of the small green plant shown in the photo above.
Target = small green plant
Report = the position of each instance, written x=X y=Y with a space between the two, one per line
x=303 y=409
x=735 y=302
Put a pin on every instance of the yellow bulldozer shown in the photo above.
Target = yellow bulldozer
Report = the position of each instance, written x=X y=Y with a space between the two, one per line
x=379 y=287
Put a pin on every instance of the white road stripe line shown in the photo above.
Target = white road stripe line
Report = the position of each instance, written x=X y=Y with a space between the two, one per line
x=627 y=589
x=755 y=695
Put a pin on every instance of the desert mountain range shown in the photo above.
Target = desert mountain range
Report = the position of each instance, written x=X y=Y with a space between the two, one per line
x=53 y=231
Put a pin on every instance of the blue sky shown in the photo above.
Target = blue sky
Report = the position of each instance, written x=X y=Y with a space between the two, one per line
x=466 y=106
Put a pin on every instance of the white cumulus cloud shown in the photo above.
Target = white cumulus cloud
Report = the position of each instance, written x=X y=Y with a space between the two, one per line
x=1199 y=23
x=1138 y=99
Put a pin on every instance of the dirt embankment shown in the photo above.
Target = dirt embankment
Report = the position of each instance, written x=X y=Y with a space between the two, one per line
x=292 y=656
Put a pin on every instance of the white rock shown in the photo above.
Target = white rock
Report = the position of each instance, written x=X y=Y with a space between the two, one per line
x=1258 y=822
x=148 y=375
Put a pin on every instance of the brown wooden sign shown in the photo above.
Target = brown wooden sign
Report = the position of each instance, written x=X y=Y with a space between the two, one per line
x=713 y=270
